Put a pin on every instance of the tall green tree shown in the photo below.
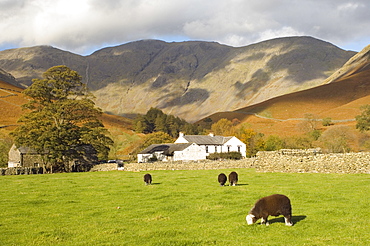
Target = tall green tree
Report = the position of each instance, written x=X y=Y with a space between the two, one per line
x=60 y=118
x=157 y=121
x=5 y=145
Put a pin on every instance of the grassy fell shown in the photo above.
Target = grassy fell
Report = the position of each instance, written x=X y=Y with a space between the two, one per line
x=180 y=208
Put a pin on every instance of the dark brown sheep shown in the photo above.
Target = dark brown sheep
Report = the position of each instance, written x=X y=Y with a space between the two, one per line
x=273 y=205
x=222 y=179
x=233 y=178
x=148 y=179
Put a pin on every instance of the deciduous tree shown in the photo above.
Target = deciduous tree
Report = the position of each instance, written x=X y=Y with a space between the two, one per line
x=60 y=117
x=223 y=127
x=337 y=139
x=252 y=139
x=5 y=145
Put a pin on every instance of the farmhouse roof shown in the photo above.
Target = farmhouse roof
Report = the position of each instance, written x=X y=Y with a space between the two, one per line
x=207 y=139
x=167 y=149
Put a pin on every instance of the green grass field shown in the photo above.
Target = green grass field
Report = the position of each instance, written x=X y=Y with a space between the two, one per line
x=181 y=208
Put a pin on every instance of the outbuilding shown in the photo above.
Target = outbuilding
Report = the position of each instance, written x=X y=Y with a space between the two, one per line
x=85 y=157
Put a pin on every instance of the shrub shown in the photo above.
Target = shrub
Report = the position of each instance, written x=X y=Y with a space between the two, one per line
x=274 y=143
x=327 y=121
x=225 y=155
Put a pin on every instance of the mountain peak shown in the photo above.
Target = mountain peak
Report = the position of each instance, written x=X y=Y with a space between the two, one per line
x=189 y=79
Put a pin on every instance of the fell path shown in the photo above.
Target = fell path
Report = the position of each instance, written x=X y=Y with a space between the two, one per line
x=290 y=119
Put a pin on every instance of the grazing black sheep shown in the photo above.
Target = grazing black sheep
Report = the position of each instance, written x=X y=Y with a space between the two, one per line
x=148 y=179
x=273 y=205
x=233 y=178
x=222 y=179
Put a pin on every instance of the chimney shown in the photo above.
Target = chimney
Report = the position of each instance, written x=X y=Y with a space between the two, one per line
x=211 y=134
x=181 y=134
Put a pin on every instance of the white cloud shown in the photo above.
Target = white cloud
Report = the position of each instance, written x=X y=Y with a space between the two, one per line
x=83 y=25
x=285 y=31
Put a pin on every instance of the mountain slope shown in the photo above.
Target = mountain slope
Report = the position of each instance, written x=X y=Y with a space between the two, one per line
x=340 y=100
x=8 y=78
x=189 y=79
x=11 y=100
x=357 y=63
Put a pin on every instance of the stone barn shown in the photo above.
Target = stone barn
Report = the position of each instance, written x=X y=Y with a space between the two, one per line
x=23 y=157
x=85 y=156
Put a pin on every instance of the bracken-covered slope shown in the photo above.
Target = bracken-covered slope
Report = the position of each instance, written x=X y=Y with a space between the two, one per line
x=339 y=100
x=189 y=79
x=12 y=99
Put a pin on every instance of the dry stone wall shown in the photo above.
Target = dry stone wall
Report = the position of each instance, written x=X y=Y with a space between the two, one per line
x=21 y=170
x=276 y=161
x=104 y=167
x=294 y=161
x=190 y=165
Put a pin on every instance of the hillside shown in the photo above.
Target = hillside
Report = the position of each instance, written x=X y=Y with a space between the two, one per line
x=340 y=100
x=11 y=99
x=189 y=79
x=356 y=64
x=120 y=128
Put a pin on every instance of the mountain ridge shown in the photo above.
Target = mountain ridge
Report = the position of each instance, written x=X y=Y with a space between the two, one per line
x=340 y=100
x=190 y=79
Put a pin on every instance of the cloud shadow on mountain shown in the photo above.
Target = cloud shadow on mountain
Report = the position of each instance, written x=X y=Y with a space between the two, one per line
x=197 y=96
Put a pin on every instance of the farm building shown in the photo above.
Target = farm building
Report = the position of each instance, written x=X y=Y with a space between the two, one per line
x=172 y=152
x=214 y=144
x=23 y=157
x=27 y=157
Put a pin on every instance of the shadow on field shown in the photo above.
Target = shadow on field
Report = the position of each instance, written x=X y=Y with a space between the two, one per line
x=241 y=184
x=156 y=183
x=295 y=219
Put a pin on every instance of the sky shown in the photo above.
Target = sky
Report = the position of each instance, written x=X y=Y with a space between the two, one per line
x=84 y=26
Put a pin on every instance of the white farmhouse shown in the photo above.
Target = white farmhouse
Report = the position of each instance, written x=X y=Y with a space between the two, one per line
x=172 y=152
x=212 y=144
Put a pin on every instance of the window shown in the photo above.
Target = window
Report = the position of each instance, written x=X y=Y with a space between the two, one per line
x=239 y=148
x=228 y=148
x=206 y=149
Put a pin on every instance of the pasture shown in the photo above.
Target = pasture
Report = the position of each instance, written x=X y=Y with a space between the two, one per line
x=181 y=208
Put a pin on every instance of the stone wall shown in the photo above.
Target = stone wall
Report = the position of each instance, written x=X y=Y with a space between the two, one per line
x=104 y=167
x=305 y=161
x=277 y=161
x=190 y=165
x=294 y=161
x=21 y=170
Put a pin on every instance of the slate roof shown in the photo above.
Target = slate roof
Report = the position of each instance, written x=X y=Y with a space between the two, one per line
x=206 y=139
x=168 y=149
